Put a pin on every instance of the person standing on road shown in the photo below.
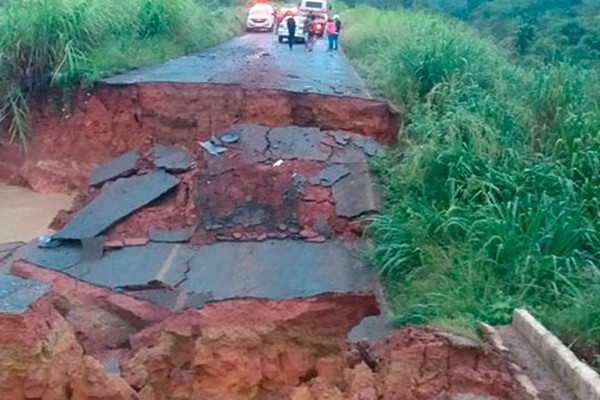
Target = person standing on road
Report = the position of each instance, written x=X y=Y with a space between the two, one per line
x=338 y=26
x=310 y=27
x=306 y=30
x=291 y=25
x=332 y=34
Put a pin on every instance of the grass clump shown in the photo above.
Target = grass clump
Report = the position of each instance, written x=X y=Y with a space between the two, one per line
x=67 y=42
x=493 y=203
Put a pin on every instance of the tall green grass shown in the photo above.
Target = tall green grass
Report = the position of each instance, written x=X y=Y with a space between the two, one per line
x=494 y=203
x=67 y=42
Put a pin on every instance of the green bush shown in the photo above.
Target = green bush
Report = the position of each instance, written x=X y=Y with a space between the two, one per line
x=46 y=42
x=495 y=203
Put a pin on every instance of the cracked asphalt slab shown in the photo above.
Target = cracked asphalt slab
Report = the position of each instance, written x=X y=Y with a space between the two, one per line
x=258 y=61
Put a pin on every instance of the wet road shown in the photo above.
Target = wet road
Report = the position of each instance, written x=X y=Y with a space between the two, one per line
x=25 y=215
x=259 y=61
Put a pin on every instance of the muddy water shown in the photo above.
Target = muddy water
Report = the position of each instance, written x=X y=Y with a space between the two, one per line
x=25 y=214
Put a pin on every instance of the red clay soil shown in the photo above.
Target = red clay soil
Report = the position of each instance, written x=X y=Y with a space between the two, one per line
x=239 y=349
x=40 y=358
x=242 y=201
x=112 y=119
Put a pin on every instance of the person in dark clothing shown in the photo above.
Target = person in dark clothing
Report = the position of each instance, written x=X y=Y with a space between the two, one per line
x=338 y=25
x=291 y=25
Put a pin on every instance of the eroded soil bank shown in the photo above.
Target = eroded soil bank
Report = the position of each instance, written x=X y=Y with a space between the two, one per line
x=110 y=120
x=242 y=349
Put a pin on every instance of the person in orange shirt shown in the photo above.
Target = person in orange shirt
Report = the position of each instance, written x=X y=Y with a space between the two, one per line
x=332 y=34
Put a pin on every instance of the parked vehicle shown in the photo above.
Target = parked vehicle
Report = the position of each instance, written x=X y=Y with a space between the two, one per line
x=319 y=8
x=288 y=9
x=261 y=18
x=283 y=33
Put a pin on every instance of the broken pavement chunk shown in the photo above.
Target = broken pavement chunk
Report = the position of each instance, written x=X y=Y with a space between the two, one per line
x=155 y=265
x=277 y=269
x=171 y=236
x=230 y=137
x=172 y=158
x=355 y=193
x=293 y=142
x=115 y=168
x=115 y=202
x=370 y=147
x=342 y=138
x=59 y=259
x=17 y=294
x=330 y=175
x=212 y=149
x=93 y=249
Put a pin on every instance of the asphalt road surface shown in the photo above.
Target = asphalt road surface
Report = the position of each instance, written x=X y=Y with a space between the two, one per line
x=259 y=61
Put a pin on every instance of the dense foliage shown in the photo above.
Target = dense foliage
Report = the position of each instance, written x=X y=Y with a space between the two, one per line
x=46 y=42
x=493 y=197
x=540 y=30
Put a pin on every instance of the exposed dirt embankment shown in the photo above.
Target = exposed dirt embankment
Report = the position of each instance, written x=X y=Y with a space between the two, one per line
x=109 y=120
x=243 y=349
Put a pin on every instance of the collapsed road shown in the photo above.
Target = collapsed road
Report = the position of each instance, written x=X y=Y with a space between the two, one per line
x=213 y=250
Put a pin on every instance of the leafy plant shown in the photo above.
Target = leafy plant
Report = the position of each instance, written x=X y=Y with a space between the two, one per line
x=494 y=205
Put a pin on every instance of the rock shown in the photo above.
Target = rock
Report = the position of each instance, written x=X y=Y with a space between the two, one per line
x=321 y=226
x=308 y=234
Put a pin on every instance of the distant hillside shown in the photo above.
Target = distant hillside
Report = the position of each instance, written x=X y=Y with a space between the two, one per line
x=538 y=30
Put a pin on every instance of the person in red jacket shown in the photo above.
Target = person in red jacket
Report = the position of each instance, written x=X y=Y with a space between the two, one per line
x=332 y=34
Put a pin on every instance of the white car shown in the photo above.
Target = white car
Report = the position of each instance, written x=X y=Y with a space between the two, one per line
x=261 y=18
x=284 y=34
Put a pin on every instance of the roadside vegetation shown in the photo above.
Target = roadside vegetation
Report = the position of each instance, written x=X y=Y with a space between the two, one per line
x=534 y=30
x=72 y=42
x=493 y=195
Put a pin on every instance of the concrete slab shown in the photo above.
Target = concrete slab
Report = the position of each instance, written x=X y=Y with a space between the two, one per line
x=93 y=249
x=116 y=201
x=59 y=258
x=164 y=297
x=121 y=166
x=274 y=269
x=549 y=385
x=153 y=265
x=370 y=147
x=172 y=158
x=355 y=194
x=297 y=143
x=330 y=175
x=253 y=142
x=173 y=236
x=17 y=294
